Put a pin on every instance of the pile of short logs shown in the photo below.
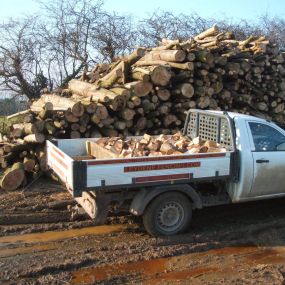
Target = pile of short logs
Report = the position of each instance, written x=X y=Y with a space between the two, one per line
x=27 y=161
x=150 y=90
x=150 y=146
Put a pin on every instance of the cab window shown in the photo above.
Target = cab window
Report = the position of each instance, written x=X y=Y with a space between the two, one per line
x=266 y=138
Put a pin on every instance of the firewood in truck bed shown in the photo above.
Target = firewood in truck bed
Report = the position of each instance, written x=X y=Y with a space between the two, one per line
x=150 y=146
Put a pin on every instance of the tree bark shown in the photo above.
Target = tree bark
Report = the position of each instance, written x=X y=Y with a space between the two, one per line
x=139 y=88
x=34 y=138
x=58 y=104
x=165 y=55
x=13 y=177
x=184 y=66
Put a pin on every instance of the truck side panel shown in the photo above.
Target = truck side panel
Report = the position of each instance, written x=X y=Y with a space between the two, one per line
x=155 y=169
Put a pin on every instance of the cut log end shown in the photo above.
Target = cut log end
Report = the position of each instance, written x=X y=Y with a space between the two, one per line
x=13 y=177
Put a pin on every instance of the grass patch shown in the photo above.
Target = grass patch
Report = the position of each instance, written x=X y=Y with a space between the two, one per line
x=6 y=124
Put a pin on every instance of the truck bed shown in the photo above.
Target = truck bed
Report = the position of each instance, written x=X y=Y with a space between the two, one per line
x=81 y=175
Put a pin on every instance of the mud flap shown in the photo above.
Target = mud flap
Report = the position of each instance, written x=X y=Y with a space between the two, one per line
x=96 y=206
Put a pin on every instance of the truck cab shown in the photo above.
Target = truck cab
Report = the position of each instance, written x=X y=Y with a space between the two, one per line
x=261 y=147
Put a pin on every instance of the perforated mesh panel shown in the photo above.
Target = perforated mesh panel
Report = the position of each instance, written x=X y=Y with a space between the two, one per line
x=225 y=133
x=210 y=128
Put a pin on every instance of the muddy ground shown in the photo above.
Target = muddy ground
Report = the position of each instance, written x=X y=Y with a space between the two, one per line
x=41 y=243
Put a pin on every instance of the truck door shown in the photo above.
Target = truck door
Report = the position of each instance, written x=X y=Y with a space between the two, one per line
x=268 y=153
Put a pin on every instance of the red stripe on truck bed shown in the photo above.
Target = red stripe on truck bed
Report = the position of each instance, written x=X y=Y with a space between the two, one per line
x=58 y=160
x=150 y=159
x=162 y=178
x=57 y=151
x=161 y=166
x=58 y=172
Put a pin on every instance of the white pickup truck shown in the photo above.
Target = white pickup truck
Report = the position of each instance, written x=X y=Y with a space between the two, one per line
x=166 y=189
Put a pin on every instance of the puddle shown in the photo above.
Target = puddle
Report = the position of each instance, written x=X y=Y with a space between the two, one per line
x=180 y=275
x=8 y=252
x=233 y=250
x=267 y=256
x=59 y=235
x=146 y=268
x=215 y=262
x=153 y=271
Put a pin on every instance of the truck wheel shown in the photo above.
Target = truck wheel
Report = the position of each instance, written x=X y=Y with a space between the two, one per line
x=168 y=214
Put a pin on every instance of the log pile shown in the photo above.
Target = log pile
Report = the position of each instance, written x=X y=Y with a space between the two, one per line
x=150 y=146
x=150 y=90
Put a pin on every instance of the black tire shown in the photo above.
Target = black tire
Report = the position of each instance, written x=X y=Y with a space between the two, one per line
x=168 y=214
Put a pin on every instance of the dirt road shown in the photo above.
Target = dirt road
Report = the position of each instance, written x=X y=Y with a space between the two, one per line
x=39 y=244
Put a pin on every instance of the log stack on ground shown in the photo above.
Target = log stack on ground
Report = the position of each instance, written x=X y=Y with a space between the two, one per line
x=150 y=90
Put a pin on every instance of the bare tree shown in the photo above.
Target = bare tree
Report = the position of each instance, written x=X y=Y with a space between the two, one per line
x=113 y=35
x=241 y=29
x=271 y=28
x=66 y=32
x=165 y=24
x=274 y=29
x=21 y=61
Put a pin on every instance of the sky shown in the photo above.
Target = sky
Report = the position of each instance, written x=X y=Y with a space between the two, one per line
x=238 y=9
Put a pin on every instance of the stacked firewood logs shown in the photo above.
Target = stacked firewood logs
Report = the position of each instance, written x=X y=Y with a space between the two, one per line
x=23 y=161
x=150 y=90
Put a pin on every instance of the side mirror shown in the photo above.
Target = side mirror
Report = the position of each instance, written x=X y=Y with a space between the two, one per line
x=281 y=146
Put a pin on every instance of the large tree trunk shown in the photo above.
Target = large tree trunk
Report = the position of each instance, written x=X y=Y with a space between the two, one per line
x=102 y=95
x=58 y=104
x=166 y=55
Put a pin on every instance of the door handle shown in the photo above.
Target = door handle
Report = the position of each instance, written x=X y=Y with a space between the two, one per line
x=262 y=161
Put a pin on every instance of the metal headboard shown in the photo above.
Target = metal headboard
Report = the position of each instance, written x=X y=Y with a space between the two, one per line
x=217 y=127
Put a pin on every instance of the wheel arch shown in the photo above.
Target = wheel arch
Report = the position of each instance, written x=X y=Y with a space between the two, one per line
x=146 y=195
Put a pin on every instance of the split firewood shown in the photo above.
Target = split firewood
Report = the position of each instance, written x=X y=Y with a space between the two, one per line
x=167 y=148
x=198 y=141
x=150 y=146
